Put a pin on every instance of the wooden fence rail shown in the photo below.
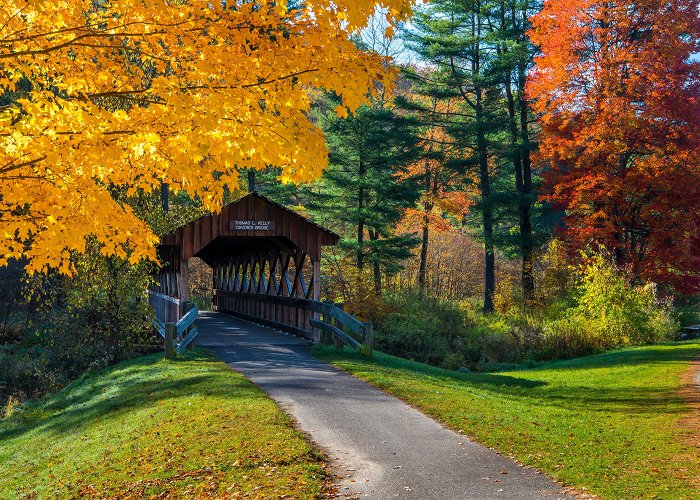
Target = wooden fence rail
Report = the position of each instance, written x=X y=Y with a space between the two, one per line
x=174 y=321
x=317 y=321
x=167 y=309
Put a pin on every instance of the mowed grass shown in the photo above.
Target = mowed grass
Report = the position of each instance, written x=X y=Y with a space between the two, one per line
x=612 y=424
x=189 y=428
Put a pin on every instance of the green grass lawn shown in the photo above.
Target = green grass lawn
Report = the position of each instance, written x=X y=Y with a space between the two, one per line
x=186 y=428
x=609 y=423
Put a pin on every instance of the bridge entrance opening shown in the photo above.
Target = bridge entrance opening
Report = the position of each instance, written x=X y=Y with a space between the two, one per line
x=265 y=262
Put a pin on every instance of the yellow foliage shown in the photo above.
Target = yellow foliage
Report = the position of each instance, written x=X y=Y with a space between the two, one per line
x=135 y=93
x=354 y=288
x=508 y=294
x=554 y=272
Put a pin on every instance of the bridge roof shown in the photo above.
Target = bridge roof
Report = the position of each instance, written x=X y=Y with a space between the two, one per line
x=252 y=224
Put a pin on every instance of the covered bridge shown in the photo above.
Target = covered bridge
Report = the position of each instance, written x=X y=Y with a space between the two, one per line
x=265 y=260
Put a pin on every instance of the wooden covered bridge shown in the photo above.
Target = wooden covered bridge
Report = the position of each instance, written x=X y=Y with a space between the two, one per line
x=266 y=262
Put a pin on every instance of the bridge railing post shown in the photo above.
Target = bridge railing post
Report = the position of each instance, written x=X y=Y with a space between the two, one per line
x=187 y=306
x=327 y=336
x=338 y=324
x=170 y=336
x=368 y=345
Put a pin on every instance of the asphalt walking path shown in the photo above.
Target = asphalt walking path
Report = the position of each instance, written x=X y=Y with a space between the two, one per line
x=378 y=446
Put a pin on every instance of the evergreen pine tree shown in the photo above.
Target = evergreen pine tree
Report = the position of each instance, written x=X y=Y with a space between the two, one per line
x=360 y=194
x=452 y=37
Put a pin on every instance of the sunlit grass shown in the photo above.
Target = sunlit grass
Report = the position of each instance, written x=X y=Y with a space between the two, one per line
x=611 y=423
x=188 y=428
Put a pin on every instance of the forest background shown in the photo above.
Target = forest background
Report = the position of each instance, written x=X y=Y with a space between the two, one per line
x=528 y=189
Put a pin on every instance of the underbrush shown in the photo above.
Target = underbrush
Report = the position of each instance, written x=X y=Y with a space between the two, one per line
x=47 y=358
x=601 y=311
x=70 y=325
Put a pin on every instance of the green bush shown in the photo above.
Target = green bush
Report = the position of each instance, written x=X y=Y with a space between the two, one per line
x=602 y=310
x=86 y=322
x=615 y=313
x=429 y=331
x=412 y=338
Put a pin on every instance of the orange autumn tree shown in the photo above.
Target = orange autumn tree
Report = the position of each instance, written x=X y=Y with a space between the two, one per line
x=618 y=90
x=98 y=97
x=444 y=190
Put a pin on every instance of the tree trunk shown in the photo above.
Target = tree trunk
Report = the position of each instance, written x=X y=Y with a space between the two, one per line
x=486 y=212
x=376 y=269
x=427 y=208
x=526 y=239
x=523 y=178
x=484 y=180
x=517 y=125
x=422 y=271
x=251 y=180
x=361 y=220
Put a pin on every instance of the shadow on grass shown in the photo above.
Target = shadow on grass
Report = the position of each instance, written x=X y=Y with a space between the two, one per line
x=495 y=380
x=677 y=352
x=569 y=388
x=122 y=388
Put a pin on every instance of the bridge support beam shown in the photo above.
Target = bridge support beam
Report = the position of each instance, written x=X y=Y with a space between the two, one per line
x=316 y=295
x=183 y=282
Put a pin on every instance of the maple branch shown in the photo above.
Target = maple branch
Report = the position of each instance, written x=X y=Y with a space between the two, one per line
x=78 y=132
x=10 y=18
x=121 y=47
x=101 y=32
x=126 y=93
x=70 y=43
x=9 y=167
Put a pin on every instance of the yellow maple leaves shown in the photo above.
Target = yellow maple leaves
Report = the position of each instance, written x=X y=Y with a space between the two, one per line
x=131 y=93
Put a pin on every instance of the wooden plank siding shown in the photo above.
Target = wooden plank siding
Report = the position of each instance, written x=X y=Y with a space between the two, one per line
x=269 y=275
x=289 y=227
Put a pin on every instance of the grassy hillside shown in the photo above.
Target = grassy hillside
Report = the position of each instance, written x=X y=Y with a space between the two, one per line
x=188 y=428
x=611 y=423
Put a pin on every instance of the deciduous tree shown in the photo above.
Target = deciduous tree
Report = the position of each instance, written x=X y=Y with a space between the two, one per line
x=443 y=190
x=130 y=94
x=619 y=93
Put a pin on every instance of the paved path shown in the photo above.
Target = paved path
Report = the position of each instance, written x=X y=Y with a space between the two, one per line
x=381 y=447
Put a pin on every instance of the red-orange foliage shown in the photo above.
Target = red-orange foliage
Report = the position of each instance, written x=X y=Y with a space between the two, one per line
x=619 y=96
x=444 y=190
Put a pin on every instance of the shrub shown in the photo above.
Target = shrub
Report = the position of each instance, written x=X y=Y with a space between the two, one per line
x=589 y=310
x=345 y=284
x=91 y=320
x=554 y=274
x=616 y=313
x=13 y=308
x=507 y=295
x=429 y=331
x=412 y=338
x=26 y=373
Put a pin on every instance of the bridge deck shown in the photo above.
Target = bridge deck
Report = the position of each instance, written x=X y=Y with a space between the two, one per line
x=382 y=447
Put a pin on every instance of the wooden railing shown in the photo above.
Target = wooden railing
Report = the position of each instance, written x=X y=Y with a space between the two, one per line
x=318 y=321
x=336 y=324
x=175 y=321
x=291 y=314
x=167 y=309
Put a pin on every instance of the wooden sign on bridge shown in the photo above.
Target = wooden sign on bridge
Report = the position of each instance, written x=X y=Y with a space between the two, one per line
x=265 y=260
x=252 y=225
